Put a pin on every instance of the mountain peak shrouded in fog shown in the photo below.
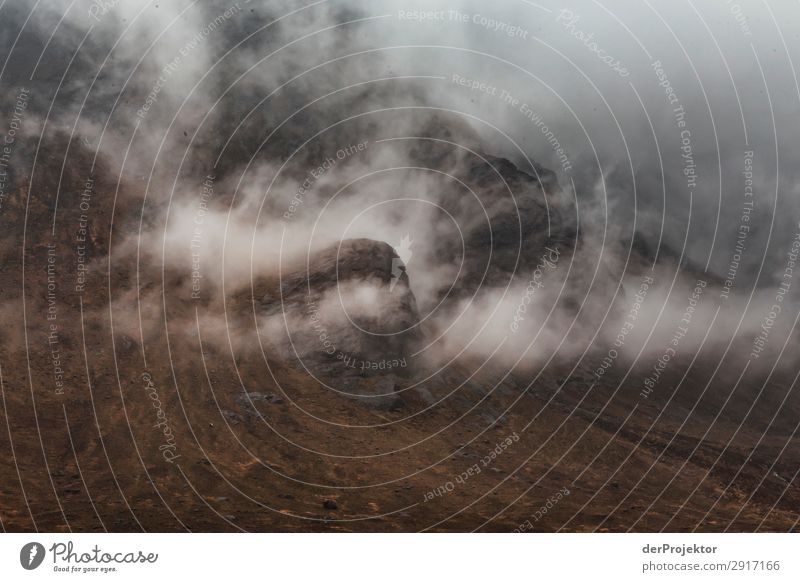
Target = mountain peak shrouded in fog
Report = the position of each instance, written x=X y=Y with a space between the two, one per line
x=392 y=266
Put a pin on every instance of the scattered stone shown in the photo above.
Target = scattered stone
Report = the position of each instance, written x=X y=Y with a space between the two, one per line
x=248 y=399
x=126 y=343
x=232 y=416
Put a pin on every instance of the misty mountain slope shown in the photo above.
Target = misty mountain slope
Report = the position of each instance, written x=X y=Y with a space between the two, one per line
x=324 y=268
x=276 y=433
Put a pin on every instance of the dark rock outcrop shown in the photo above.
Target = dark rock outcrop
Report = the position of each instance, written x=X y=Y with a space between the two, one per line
x=350 y=319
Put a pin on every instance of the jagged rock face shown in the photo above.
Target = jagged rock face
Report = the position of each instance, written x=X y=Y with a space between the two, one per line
x=349 y=318
x=524 y=220
x=506 y=218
